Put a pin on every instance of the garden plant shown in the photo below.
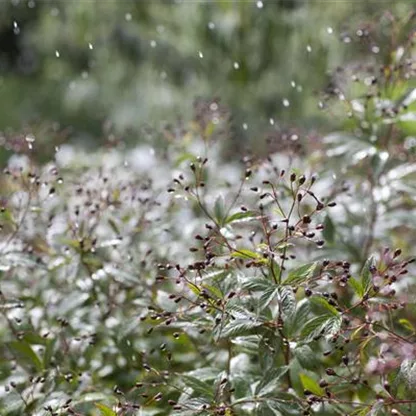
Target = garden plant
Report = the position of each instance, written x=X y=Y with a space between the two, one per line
x=175 y=281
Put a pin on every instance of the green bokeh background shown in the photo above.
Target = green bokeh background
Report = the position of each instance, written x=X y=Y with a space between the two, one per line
x=116 y=67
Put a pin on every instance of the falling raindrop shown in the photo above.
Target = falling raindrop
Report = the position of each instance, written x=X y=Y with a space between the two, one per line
x=259 y=4
x=271 y=121
x=309 y=48
x=128 y=17
x=153 y=43
x=236 y=65
x=30 y=138
x=200 y=54
x=286 y=102
x=245 y=126
x=211 y=25
x=16 y=28
x=293 y=84
x=329 y=30
x=90 y=46
x=321 y=105
x=346 y=39
x=57 y=54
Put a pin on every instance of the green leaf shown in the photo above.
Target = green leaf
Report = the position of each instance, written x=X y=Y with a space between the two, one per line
x=356 y=286
x=239 y=217
x=302 y=273
x=267 y=297
x=310 y=384
x=313 y=326
x=325 y=325
x=239 y=327
x=245 y=254
x=258 y=284
x=270 y=381
x=114 y=226
x=104 y=410
x=323 y=305
x=407 y=324
x=366 y=275
x=284 y=408
x=329 y=230
x=198 y=386
x=287 y=302
x=49 y=350
x=303 y=310
x=219 y=210
x=306 y=357
x=23 y=350
x=276 y=271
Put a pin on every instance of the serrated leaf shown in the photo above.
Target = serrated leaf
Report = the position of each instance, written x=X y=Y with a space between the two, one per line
x=310 y=384
x=267 y=297
x=258 y=284
x=198 y=386
x=325 y=325
x=270 y=381
x=239 y=327
x=302 y=273
x=287 y=302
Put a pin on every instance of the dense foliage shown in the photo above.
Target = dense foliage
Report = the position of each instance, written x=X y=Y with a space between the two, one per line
x=167 y=280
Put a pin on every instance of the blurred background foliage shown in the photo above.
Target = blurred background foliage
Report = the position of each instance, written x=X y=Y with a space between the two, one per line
x=94 y=71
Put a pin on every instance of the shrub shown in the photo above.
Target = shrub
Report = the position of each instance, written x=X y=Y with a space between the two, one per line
x=150 y=282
